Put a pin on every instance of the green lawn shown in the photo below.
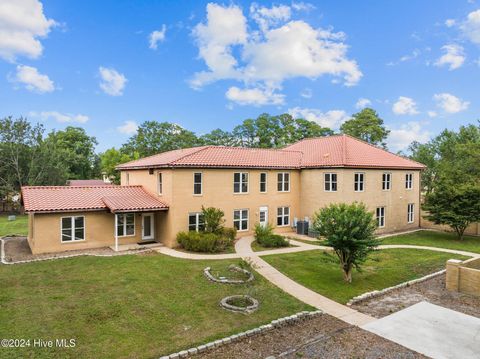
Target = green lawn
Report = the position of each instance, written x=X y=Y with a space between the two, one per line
x=19 y=226
x=436 y=239
x=321 y=272
x=127 y=306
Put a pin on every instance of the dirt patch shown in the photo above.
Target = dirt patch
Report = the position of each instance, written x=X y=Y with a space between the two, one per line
x=432 y=290
x=17 y=249
x=320 y=337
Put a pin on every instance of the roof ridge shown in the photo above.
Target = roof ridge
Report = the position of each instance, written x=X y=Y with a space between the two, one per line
x=161 y=153
x=201 y=148
x=252 y=148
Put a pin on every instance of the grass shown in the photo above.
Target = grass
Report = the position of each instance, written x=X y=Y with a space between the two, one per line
x=257 y=247
x=140 y=306
x=436 y=239
x=19 y=226
x=321 y=272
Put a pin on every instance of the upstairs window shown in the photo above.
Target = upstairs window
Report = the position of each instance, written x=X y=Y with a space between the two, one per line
x=240 y=219
x=160 y=183
x=380 y=217
x=263 y=182
x=197 y=183
x=283 y=182
x=330 y=182
x=196 y=222
x=410 y=212
x=386 y=181
x=409 y=181
x=240 y=182
x=125 y=224
x=359 y=182
x=283 y=216
x=73 y=228
x=127 y=178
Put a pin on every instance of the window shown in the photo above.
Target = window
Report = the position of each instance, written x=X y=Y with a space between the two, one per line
x=127 y=178
x=240 y=219
x=283 y=216
x=263 y=182
x=283 y=182
x=330 y=182
x=386 y=181
x=381 y=217
x=410 y=212
x=197 y=183
x=240 y=182
x=196 y=222
x=73 y=228
x=409 y=181
x=160 y=183
x=125 y=224
x=359 y=184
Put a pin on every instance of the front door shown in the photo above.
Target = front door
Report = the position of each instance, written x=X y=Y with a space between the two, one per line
x=148 y=226
x=263 y=216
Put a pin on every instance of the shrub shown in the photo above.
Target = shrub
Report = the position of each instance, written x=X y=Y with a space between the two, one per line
x=230 y=233
x=265 y=237
x=213 y=219
x=203 y=242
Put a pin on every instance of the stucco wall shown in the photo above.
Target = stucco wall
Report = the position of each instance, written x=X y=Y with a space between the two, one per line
x=464 y=276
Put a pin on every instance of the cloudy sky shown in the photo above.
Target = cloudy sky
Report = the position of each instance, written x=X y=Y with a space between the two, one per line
x=109 y=65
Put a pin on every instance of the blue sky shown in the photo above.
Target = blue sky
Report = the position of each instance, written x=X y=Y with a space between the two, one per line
x=109 y=65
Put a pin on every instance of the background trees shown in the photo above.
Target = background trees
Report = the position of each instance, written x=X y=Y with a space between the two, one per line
x=367 y=126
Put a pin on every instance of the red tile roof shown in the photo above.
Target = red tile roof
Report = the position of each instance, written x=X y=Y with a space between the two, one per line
x=90 y=182
x=333 y=151
x=77 y=198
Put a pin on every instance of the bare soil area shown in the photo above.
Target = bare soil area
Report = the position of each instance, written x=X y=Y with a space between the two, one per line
x=320 y=337
x=432 y=290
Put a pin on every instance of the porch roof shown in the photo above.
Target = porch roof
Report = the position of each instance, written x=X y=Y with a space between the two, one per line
x=46 y=199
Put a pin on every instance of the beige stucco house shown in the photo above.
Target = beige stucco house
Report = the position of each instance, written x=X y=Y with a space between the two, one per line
x=163 y=194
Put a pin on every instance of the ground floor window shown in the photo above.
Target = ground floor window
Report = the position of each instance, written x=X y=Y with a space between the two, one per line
x=240 y=219
x=381 y=217
x=410 y=212
x=195 y=222
x=283 y=216
x=73 y=228
x=125 y=224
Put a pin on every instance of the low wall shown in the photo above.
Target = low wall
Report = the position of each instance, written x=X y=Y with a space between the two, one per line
x=472 y=230
x=464 y=276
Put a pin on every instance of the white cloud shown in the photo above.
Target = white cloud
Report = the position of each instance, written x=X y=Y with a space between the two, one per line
x=400 y=138
x=471 y=27
x=60 y=117
x=112 y=82
x=22 y=23
x=231 y=52
x=432 y=114
x=157 y=36
x=450 y=103
x=302 y=6
x=362 y=103
x=413 y=55
x=254 y=96
x=454 y=57
x=128 y=128
x=32 y=79
x=331 y=119
x=450 y=22
x=306 y=93
x=405 y=106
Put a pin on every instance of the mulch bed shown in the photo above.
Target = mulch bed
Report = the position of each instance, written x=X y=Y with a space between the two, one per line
x=320 y=337
x=432 y=290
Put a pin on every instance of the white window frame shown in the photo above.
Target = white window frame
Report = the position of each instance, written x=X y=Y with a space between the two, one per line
x=72 y=229
x=357 y=183
x=330 y=182
x=409 y=181
x=125 y=225
x=198 y=222
x=380 y=216
x=283 y=181
x=160 y=183
x=241 y=219
x=410 y=212
x=386 y=180
x=263 y=182
x=201 y=183
x=283 y=215
x=241 y=183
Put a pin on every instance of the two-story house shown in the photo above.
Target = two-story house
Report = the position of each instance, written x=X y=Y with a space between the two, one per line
x=162 y=195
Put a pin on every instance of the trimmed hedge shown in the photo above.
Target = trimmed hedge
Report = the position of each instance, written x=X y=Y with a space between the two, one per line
x=203 y=242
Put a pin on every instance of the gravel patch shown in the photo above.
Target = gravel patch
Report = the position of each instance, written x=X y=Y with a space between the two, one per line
x=320 y=337
x=432 y=290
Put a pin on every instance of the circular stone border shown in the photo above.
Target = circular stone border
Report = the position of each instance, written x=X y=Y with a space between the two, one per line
x=232 y=267
x=248 y=309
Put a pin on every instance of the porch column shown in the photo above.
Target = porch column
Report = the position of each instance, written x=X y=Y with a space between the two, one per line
x=116 y=232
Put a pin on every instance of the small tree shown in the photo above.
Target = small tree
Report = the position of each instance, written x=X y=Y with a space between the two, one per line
x=349 y=229
x=213 y=219
x=454 y=206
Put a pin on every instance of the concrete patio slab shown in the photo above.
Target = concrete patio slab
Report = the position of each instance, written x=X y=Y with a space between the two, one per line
x=431 y=330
